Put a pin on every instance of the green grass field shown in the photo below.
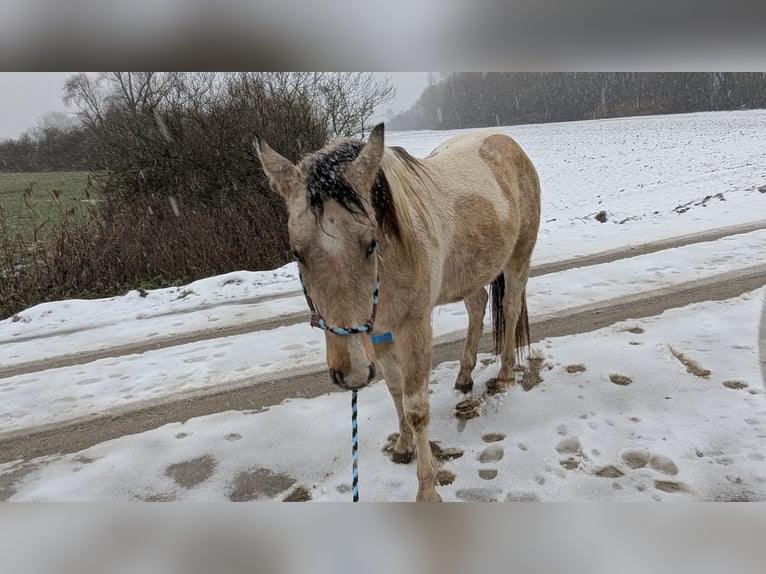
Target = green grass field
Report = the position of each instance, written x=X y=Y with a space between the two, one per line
x=32 y=201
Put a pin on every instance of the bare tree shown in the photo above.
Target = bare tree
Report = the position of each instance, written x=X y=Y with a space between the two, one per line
x=347 y=101
x=55 y=120
x=126 y=110
x=87 y=94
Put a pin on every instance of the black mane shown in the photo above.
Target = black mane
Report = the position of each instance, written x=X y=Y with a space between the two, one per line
x=326 y=180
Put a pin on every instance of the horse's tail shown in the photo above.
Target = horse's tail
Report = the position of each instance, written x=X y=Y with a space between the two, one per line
x=521 y=336
x=497 y=292
x=522 y=328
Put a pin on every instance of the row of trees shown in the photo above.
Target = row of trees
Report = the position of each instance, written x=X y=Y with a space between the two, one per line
x=57 y=143
x=468 y=99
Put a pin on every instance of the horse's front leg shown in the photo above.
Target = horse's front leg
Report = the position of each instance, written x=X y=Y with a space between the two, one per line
x=414 y=348
x=404 y=449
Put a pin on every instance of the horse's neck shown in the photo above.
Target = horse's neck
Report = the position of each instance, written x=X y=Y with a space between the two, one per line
x=407 y=265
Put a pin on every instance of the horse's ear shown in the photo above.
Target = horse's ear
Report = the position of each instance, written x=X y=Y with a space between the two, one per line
x=361 y=172
x=282 y=174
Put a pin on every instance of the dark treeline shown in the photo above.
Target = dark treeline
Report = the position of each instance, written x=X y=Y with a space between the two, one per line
x=48 y=149
x=472 y=99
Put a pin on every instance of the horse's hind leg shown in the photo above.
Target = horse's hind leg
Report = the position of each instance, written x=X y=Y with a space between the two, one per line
x=476 y=304
x=516 y=273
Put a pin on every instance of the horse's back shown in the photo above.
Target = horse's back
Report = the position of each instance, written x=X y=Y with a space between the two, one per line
x=463 y=142
x=487 y=164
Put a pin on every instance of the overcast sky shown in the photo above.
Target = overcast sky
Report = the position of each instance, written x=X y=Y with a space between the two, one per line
x=409 y=86
x=26 y=97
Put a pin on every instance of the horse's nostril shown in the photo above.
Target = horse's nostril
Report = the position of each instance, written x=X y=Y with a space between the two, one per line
x=337 y=378
x=372 y=372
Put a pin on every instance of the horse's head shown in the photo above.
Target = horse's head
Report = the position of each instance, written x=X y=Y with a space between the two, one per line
x=333 y=233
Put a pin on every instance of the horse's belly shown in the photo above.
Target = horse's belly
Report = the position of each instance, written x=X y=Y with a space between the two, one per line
x=468 y=272
x=482 y=242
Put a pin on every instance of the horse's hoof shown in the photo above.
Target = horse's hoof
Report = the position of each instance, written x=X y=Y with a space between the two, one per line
x=402 y=457
x=495 y=386
x=464 y=387
x=432 y=496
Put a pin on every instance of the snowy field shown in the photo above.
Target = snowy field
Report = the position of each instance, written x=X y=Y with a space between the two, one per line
x=667 y=435
x=638 y=170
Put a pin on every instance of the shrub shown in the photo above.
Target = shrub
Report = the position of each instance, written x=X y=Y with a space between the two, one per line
x=182 y=193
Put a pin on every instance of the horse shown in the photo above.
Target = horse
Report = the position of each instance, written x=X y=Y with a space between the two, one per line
x=381 y=238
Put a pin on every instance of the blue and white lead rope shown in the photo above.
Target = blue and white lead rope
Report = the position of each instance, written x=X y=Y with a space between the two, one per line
x=354 y=449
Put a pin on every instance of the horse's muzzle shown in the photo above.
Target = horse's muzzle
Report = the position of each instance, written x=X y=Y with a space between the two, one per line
x=339 y=380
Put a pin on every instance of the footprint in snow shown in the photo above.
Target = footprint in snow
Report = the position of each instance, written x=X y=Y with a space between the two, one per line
x=492 y=453
x=571 y=449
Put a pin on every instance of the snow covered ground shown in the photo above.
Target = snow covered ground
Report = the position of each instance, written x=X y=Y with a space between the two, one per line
x=667 y=435
x=655 y=177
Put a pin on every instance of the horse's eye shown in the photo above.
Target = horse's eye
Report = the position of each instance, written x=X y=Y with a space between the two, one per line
x=298 y=257
x=373 y=247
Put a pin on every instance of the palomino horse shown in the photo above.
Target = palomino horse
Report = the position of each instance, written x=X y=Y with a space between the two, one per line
x=428 y=232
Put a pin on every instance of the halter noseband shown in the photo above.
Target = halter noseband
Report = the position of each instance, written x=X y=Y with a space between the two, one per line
x=318 y=321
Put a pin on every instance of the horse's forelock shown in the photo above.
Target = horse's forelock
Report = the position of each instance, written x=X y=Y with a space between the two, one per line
x=326 y=179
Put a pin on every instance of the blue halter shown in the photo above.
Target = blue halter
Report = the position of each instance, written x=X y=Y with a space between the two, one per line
x=318 y=321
